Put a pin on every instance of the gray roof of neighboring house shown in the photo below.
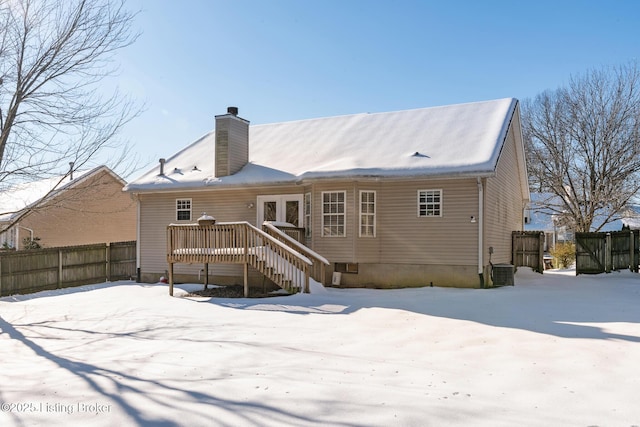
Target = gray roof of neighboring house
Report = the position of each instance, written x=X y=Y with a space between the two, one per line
x=16 y=199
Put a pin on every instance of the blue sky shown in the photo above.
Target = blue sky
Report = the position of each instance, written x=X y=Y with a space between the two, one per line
x=280 y=60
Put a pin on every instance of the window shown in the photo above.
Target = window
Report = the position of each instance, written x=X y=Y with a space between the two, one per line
x=367 y=214
x=307 y=215
x=183 y=209
x=429 y=202
x=333 y=213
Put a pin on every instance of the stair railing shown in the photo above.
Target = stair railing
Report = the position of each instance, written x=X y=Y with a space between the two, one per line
x=318 y=261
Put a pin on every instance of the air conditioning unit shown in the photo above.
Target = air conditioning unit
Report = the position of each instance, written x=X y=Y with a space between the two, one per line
x=503 y=275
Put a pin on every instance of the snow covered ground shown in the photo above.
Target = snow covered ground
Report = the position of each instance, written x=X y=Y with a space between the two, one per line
x=555 y=350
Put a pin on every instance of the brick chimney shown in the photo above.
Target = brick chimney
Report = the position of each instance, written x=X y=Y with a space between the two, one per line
x=232 y=143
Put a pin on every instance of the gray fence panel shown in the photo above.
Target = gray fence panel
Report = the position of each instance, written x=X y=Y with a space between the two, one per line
x=29 y=271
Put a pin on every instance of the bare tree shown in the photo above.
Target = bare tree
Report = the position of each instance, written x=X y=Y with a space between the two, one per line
x=54 y=57
x=583 y=146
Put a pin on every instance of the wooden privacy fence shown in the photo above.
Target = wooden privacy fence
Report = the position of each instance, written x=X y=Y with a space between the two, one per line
x=604 y=252
x=23 y=272
x=528 y=249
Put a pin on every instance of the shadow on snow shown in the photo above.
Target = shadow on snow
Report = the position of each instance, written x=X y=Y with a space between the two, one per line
x=550 y=304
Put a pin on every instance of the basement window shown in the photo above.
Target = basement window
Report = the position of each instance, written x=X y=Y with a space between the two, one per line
x=346 y=267
x=183 y=209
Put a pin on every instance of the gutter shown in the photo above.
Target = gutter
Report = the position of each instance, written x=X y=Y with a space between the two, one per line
x=168 y=188
x=18 y=227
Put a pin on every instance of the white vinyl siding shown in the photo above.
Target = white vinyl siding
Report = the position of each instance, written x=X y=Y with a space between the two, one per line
x=183 y=209
x=333 y=214
x=429 y=203
x=367 y=213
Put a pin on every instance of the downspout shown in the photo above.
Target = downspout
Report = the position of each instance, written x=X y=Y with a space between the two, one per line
x=138 y=272
x=18 y=235
x=480 y=231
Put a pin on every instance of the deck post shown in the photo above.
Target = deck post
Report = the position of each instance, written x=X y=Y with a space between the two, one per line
x=306 y=280
x=170 y=279
x=245 y=271
x=246 y=279
x=206 y=275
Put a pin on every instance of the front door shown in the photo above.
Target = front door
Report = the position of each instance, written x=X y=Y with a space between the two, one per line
x=280 y=208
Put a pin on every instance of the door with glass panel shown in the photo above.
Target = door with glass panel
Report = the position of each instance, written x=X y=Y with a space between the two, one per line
x=280 y=208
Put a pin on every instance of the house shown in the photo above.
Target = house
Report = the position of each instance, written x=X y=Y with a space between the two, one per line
x=80 y=207
x=405 y=198
x=542 y=215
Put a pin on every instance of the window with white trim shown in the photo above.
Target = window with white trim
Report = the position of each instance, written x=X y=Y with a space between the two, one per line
x=307 y=215
x=367 y=213
x=429 y=203
x=333 y=213
x=183 y=209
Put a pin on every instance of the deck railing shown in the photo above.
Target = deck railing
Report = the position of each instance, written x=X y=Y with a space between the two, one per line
x=238 y=243
x=284 y=235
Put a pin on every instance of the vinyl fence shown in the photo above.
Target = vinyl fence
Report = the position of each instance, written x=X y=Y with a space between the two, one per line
x=604 y=252
x=23 y=272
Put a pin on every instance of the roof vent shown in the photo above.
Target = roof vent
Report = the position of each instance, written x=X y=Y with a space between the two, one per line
x=162 y=161
x=232 y=110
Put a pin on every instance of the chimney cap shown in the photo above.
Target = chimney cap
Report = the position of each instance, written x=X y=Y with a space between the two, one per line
x=232 y=110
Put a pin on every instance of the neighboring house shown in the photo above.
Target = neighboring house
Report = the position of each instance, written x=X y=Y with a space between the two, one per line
x=74 y=209
x=406 y=198
x=540 y=217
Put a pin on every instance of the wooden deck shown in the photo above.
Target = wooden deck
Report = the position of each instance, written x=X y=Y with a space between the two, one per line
x=277 y=256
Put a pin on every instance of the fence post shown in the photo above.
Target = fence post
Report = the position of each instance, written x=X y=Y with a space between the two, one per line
x=108 y=261
x=634 y=251
x=541 y=253
x=59 y=268
x=607 y=253
x=631 y=242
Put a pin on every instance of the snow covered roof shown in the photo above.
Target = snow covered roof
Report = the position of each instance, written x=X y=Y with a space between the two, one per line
x=454 y=140
x=14 y=200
